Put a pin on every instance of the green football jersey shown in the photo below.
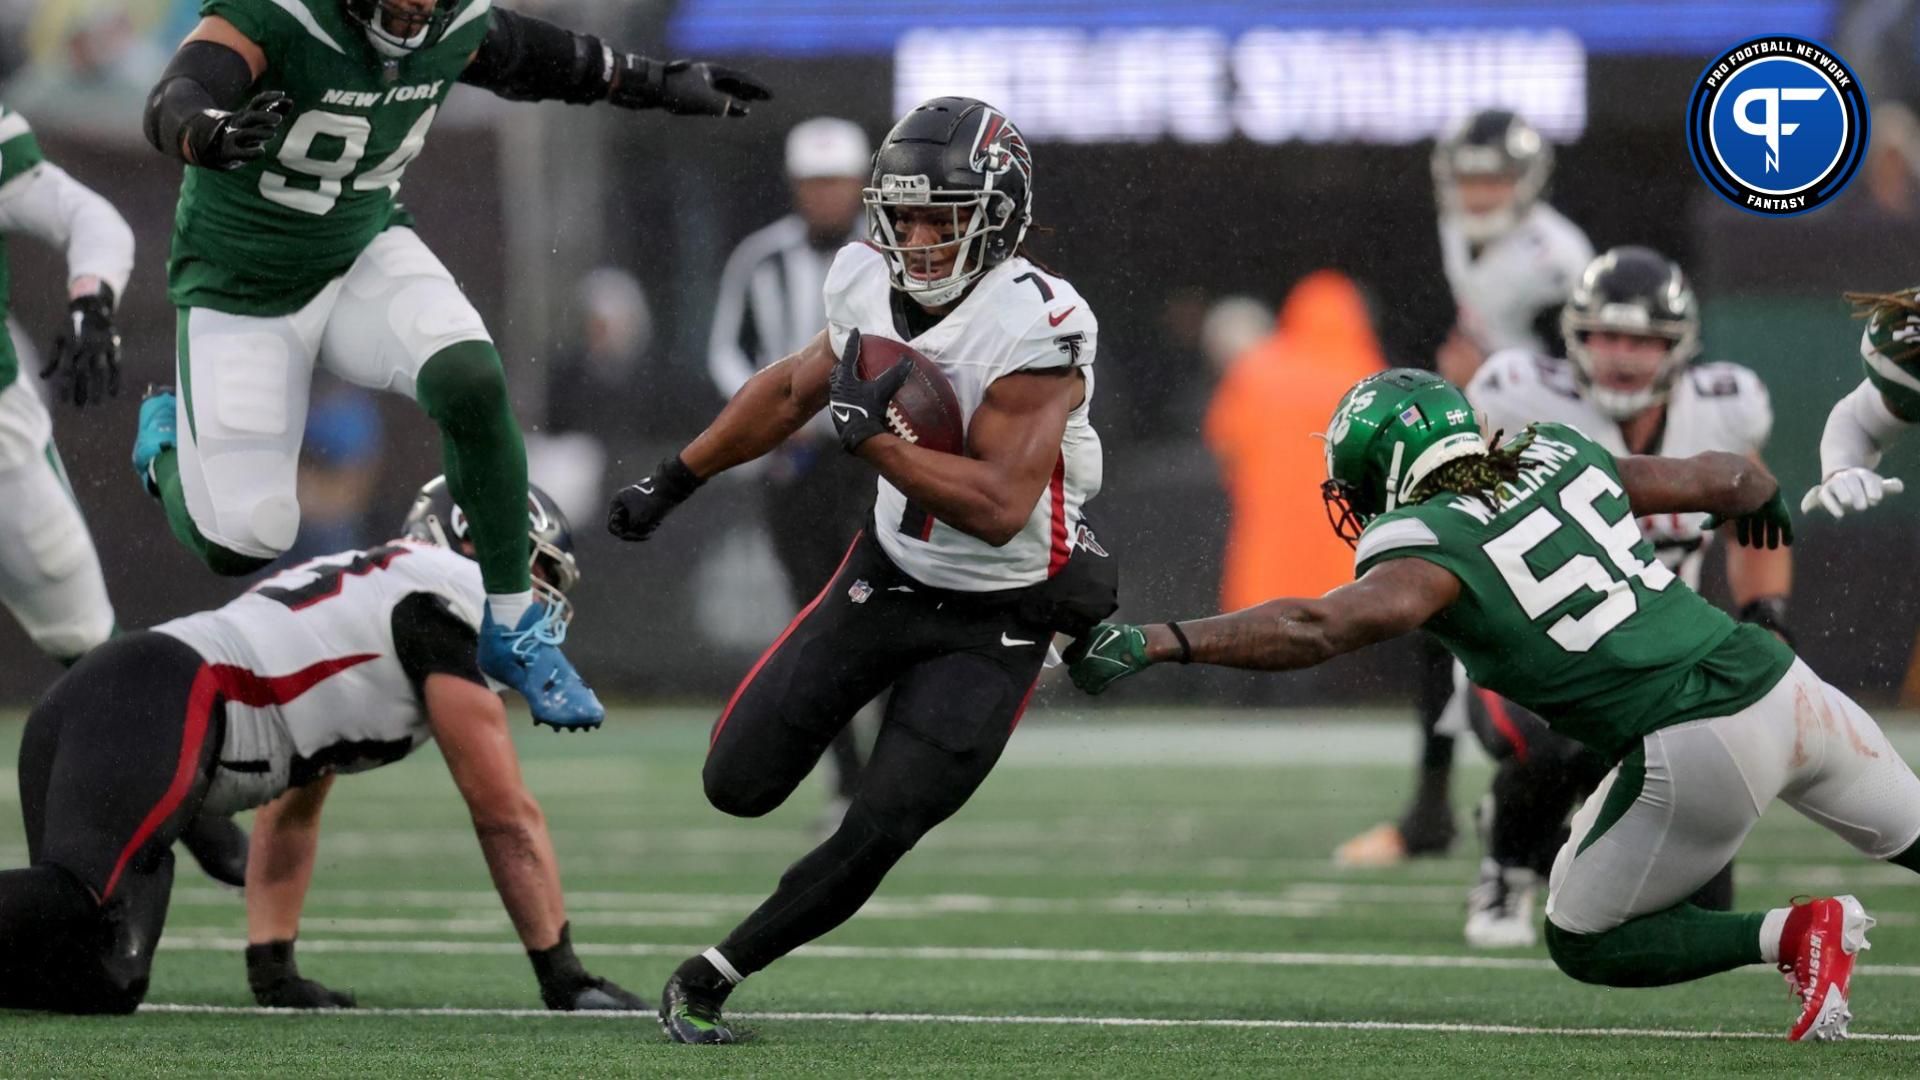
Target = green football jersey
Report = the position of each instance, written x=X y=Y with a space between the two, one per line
x=19 y=151
x=1565 y=609
x=1898 y=381
x=266 y=238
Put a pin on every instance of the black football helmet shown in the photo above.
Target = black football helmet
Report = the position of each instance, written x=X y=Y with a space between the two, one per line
x=963 y=154
x=1632 y=290
x=1491 y=142
x=428 y=25
x=435 y=519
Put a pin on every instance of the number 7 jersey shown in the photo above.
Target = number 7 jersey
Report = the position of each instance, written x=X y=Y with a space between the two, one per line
x=266 y=238
x=1564 y=607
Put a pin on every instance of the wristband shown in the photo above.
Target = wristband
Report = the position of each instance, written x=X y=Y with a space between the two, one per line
x=1186 y=647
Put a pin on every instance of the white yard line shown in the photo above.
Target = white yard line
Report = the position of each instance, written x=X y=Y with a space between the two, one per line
x=998 y=954
x=1060 y=1021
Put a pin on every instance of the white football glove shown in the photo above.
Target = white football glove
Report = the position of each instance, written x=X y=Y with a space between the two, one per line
x=1854 y=489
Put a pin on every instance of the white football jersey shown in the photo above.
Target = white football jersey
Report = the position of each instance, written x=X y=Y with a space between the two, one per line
x=1715 y=406
x=1501 y=290
x=1017 y=318
x=313 y=681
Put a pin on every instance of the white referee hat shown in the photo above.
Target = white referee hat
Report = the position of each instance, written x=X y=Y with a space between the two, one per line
x=827 y=146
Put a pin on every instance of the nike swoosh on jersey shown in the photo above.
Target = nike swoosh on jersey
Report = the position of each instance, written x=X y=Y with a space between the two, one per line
x=1056 y=320
x=1010 y=642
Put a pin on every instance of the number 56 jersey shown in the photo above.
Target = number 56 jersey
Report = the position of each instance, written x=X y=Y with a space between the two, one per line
x=1564 y=607
x=320 y=665
x=267 y=237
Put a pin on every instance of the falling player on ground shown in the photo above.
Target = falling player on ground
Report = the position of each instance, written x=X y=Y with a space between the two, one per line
x=339 y=665
x=1877 y=413
x=1525 y=559
x=1510 y=260
x=1632 y=329
x=297 y=119
x=969 y=563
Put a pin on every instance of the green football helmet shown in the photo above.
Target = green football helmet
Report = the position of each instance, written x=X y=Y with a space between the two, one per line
x=1387 y=435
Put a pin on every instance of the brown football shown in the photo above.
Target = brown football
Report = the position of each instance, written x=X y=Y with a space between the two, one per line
x=925 y=411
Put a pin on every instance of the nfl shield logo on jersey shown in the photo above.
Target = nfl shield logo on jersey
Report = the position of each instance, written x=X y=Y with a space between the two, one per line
x=859 y=591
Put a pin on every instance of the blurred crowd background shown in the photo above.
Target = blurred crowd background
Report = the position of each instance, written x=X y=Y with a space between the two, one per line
x=1241 y=190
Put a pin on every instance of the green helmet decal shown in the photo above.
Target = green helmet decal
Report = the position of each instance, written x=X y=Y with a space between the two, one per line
x=1389 y=433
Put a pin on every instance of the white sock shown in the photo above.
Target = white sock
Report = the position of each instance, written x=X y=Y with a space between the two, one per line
x=508 y=607
x=1771 y=930
x=721 y=965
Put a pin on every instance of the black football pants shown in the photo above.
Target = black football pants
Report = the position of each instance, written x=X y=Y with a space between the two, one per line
x=115 y=761
x=961 y=667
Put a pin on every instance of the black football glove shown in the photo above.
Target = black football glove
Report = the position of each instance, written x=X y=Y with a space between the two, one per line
x=682 y=87
x=277 y=984
x=87 y=352
x=859 y=406
x=225 y=141
x=565 y=986
x=638 y=509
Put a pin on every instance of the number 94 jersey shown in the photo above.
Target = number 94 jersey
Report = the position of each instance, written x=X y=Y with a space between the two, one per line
x=266 y=238
x=314 y=679
x=1565 y=610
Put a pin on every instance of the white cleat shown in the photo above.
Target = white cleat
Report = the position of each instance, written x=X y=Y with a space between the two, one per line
x=1500 y=908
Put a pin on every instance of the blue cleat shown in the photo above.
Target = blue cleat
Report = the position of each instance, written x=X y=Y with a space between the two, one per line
x=157 y=435
x=528 y=659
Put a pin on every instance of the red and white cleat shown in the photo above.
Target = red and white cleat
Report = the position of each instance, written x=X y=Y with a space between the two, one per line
x=1821 y=940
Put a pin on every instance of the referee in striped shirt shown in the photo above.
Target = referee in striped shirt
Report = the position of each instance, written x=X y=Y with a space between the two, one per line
x=770 y=305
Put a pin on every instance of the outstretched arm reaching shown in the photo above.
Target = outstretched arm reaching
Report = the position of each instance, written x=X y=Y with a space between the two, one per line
x=1279 y=635
x=1732 y=487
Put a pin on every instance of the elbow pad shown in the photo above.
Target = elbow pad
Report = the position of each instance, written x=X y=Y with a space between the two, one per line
x=1859 y=429
x=203 y=75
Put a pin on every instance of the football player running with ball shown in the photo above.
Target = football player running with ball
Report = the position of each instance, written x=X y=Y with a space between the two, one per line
x=1632 y=329
x=297 y=119
x=1526 y=561
x=969 y=563
x=339 y=665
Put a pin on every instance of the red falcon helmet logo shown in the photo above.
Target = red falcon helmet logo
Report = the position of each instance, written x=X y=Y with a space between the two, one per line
x=999 y=146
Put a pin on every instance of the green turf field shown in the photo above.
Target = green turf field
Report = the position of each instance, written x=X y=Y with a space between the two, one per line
x=1148 y=896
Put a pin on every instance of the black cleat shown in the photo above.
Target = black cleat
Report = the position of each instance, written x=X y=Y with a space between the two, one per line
x=219 y=846
x=691 y=1013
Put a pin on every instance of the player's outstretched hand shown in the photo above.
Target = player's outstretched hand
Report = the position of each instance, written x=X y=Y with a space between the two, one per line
x=276 y=982
x=1771 y=526
x=683 y=87
x=638 y=509
x=1854 y=489
x=859 y=406
x=1110 y=652
x=87 y=352
x=227 y=140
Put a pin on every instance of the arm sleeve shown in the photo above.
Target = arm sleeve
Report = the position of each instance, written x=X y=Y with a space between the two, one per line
x=1859 y=429
x=429 y=639
x=46 y=203
x=528 y=59
x=734 y=348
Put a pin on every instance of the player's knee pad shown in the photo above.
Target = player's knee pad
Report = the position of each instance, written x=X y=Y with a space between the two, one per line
x=464 y=386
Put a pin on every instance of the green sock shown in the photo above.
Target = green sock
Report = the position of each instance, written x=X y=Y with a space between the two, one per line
x=1676 y=945
x=166 y=472
x=464 y=389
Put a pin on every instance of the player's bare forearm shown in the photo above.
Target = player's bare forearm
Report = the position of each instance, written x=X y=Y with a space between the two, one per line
x=280 y=856
x=1282 y=635
x=983 y=499
x=1719 y=483
x=525 y=872
x=774 y=404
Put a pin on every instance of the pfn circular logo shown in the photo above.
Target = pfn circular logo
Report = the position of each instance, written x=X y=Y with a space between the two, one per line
x=1777 y=125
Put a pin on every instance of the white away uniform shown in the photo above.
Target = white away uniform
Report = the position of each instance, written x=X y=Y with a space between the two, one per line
x=310 y=670
x=1016 y=318
x=1502 y=288
x=49 y=572
x=1714 y=406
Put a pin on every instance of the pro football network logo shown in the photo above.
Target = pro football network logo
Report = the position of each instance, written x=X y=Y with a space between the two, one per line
x=1777 y=125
